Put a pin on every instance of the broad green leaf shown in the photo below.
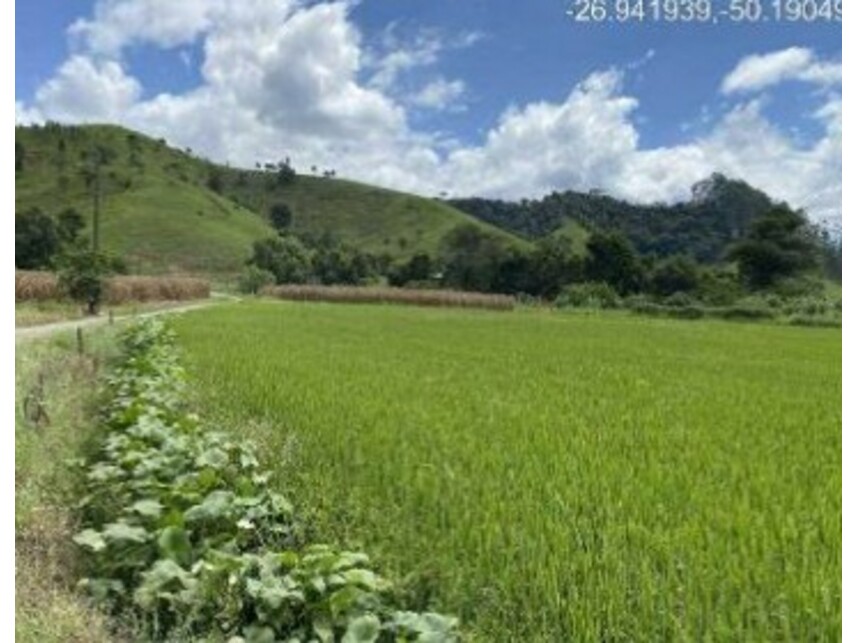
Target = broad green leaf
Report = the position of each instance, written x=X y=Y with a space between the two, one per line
x=363 y=629
x=345 y=600
x=214 y=458
x=165 y=576
x=90 y=539
x=174 y=544
x=149 y=508
x=324 y=631
x=256 y=634
x=123 y=532
x=349 y=559
x=216 y=505
x=362 y=577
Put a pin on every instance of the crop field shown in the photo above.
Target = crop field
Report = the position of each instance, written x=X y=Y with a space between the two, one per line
x=551 y=477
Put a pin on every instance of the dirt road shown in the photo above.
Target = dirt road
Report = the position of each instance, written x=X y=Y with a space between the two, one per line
x=28 y=333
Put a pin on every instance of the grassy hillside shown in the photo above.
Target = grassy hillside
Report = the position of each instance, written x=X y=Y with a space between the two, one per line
x=154 y=218
x=376 y=219
x=164 y=210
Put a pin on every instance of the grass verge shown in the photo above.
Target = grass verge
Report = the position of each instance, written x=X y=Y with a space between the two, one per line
x=50 y=376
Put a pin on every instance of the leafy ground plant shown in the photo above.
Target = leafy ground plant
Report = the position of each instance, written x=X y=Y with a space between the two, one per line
x=183 y=533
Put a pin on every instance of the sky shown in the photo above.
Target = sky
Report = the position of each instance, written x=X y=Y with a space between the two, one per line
x=493 y=98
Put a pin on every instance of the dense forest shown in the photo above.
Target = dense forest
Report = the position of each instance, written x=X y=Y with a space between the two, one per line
x=719 y=213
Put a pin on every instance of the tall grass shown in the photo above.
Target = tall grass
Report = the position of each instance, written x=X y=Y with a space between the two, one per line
x=554 y=478
x=362 y=295
x=44 y=286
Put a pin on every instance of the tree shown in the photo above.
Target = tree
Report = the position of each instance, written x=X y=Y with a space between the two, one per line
x=36 y=240
x=341 y=264
x=70 y=223
x=470 y=258
x=281 y=217
x=98 y=157
x=285 y=173
x=553 y=265
x=676 y=274
x=20 y=156
x=215 y=181
x=419 y=268
x=82 y=277
x=515 y=273
x=253 y=279
x=285 y=257
x=613 y=260
x=779 y=244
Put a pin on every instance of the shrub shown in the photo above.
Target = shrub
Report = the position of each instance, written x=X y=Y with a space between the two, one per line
x=644 y=307
x=686 y=312
x=815 y=322
x=679 y=300
x=747 y=312
x=677 y=274
x=793 y=287
x=719 y=288
x=37 y=240
x=658 y=310
x=254 y=279
x=588 y=295
x=82 y=277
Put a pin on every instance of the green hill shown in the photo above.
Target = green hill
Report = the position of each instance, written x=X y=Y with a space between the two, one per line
x=165 y=210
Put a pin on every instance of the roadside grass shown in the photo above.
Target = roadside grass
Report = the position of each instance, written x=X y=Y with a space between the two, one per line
x=49 y=373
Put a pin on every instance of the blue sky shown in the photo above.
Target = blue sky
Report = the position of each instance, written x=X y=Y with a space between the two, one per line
x=429 y=95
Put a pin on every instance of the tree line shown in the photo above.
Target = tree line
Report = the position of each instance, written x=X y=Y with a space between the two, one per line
x=778 y=249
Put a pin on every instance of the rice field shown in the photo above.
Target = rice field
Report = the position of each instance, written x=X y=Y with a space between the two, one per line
x=552 y=477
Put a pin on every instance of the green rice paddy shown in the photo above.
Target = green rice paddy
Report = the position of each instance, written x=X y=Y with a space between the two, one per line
x=552 y=477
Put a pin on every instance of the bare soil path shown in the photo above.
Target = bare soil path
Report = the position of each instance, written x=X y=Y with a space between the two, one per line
x=28 y=333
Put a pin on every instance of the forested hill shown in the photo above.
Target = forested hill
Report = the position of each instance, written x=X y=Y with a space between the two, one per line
x=719 y=213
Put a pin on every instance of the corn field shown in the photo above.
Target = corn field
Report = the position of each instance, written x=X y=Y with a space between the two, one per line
x=361 y=295
x=44 y=286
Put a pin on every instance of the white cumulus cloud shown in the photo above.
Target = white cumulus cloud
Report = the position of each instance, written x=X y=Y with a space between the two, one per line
x=87 y=90
x=439 y=94
x=796 y=63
